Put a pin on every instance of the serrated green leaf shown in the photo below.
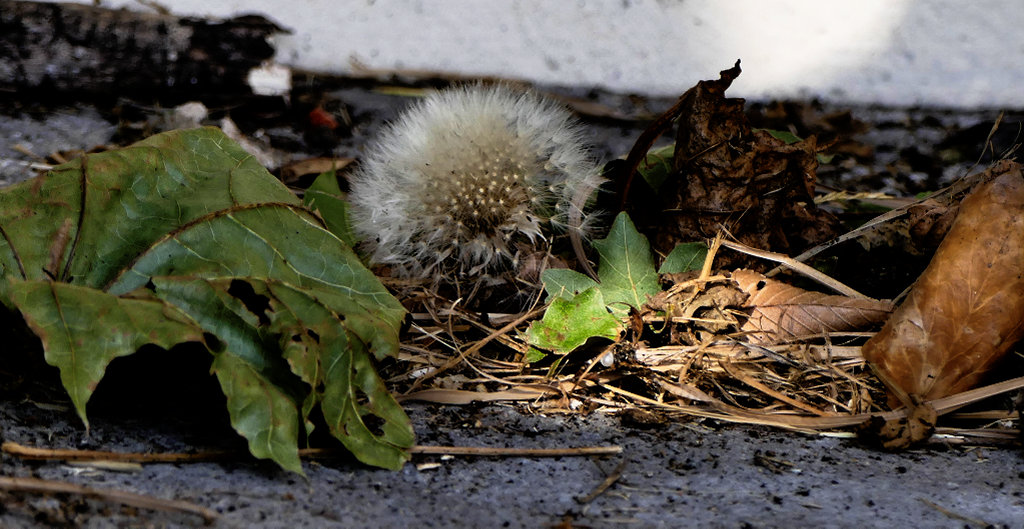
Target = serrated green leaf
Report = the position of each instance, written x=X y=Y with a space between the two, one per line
x=684 y=257
x=625 y=266
x=324 y=197
x=330 y=359
x=260 y=411
x=568 y=324
x=340 y=369
x=564 y=283
x=83 y=330
x=157 y=234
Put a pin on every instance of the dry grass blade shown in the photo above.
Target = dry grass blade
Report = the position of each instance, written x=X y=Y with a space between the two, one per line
x=796 y=266
x=738 y=374
x=479 y=345
x=608 y=482
x=946 y=194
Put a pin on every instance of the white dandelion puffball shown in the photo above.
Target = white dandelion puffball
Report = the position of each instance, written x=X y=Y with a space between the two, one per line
x=457 y=183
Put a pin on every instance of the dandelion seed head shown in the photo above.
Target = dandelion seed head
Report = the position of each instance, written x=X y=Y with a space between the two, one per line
x=459 y=177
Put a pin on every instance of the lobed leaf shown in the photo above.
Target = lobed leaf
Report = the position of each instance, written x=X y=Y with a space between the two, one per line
x=324 y=197
x=580 y=306
x=83 y=330
x=568 y=324
x=260 y=411
x=626 y=266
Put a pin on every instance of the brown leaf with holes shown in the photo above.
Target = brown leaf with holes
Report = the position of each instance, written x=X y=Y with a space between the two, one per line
x=781 y=312
x=967 y=308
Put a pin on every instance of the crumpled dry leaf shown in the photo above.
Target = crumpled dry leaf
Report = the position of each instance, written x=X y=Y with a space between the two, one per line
x=726 y=174
x=779 y=311
x=705 y=306
x=967 y=308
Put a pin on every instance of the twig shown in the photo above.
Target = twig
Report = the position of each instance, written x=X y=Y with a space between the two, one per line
x=954 y=515
x=608 y=482
x=114 y=496
x=485 y=451
x=35 y=166
x=492 y=451
x=28 y=452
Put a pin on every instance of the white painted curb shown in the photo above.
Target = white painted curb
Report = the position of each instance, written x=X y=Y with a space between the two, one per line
x=896 y=52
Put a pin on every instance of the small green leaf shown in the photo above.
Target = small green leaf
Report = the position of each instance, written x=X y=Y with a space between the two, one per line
x=564 y=283
x=568 y=324
x=783 y=135
x=685 y=257
x=625 y=266
x=657 y=165
x=534 y=355
x=324 y=197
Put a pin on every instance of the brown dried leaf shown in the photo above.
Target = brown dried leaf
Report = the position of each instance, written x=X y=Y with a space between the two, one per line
x=727 y=175
x=779 y=311
x=967 y=308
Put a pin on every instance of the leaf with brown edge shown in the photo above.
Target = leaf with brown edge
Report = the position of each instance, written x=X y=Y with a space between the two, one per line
x=779 y=311
x=967 y=308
